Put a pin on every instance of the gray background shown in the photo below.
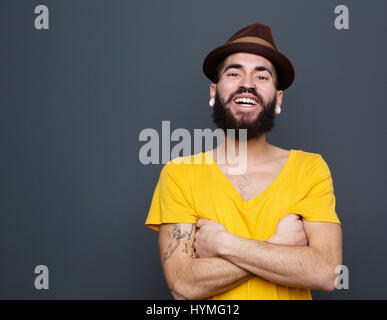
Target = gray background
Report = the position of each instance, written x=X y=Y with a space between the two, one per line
x=74 y=99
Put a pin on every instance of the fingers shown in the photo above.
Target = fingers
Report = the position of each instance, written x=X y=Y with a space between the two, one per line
x=201 y=222
x=294 y=216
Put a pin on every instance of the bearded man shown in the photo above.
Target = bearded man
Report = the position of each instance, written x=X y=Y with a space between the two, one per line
x=271 y=232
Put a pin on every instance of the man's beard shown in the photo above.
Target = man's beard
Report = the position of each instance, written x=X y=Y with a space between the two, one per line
x=264 y=121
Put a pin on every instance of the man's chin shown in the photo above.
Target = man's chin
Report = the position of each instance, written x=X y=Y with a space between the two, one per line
x=245 y=114
x=245 y=122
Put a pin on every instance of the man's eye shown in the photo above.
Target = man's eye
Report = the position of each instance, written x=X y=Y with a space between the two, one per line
x=233 y=74
x=262 y=78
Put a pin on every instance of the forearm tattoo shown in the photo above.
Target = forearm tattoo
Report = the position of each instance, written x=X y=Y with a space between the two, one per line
x=176 y=236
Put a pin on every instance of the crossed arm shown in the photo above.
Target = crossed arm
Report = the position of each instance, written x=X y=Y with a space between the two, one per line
x=191 y=277
x=223 y=260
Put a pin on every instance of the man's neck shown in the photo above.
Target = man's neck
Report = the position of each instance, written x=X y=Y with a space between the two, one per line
x=256 y=150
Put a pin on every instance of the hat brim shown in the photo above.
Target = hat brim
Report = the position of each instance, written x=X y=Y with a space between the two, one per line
x=284 y=67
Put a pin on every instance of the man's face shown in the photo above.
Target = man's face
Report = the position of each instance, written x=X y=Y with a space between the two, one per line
x=245 y=95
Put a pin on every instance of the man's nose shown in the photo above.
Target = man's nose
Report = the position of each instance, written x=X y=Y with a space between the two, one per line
x=247 y=82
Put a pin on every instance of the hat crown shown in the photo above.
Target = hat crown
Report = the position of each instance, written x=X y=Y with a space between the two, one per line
x=256 y=30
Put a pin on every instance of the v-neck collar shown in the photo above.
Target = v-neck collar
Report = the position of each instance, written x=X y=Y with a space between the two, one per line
x=227 y=184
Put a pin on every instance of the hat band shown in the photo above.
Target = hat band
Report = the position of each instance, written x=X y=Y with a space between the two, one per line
x=255 y=40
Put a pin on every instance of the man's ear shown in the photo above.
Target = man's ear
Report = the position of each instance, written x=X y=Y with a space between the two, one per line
x=280 y=93
x=212 y=90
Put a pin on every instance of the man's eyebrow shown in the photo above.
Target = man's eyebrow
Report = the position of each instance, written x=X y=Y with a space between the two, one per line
x=233 y=66
x=238 y=66
x=262 y=68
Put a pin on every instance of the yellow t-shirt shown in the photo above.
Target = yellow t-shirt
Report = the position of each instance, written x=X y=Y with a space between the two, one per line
x=186 y=193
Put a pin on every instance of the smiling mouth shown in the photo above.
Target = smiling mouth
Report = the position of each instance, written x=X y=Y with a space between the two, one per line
x=246 y=103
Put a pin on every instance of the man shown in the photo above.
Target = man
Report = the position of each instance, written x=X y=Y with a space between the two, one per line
x=269 y=233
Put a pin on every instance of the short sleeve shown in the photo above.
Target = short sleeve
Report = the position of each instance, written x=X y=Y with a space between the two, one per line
x=171 y=202
x=317 y=201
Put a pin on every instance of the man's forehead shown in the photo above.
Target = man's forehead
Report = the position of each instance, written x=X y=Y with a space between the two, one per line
x=247 y=59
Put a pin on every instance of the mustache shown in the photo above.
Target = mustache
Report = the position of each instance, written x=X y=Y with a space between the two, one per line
x=250 y=90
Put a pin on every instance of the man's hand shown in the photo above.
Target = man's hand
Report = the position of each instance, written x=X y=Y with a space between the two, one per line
x=208 y=238
x=290 y=231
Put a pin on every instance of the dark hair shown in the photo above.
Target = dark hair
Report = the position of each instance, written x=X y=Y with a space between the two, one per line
x=220 y=66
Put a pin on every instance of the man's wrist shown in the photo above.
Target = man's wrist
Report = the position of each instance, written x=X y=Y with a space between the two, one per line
x=226 y=240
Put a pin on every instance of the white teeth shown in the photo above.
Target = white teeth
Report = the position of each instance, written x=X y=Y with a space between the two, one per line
x=245 y=100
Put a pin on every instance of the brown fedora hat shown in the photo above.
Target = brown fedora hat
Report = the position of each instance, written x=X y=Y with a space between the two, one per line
x=255 y=38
